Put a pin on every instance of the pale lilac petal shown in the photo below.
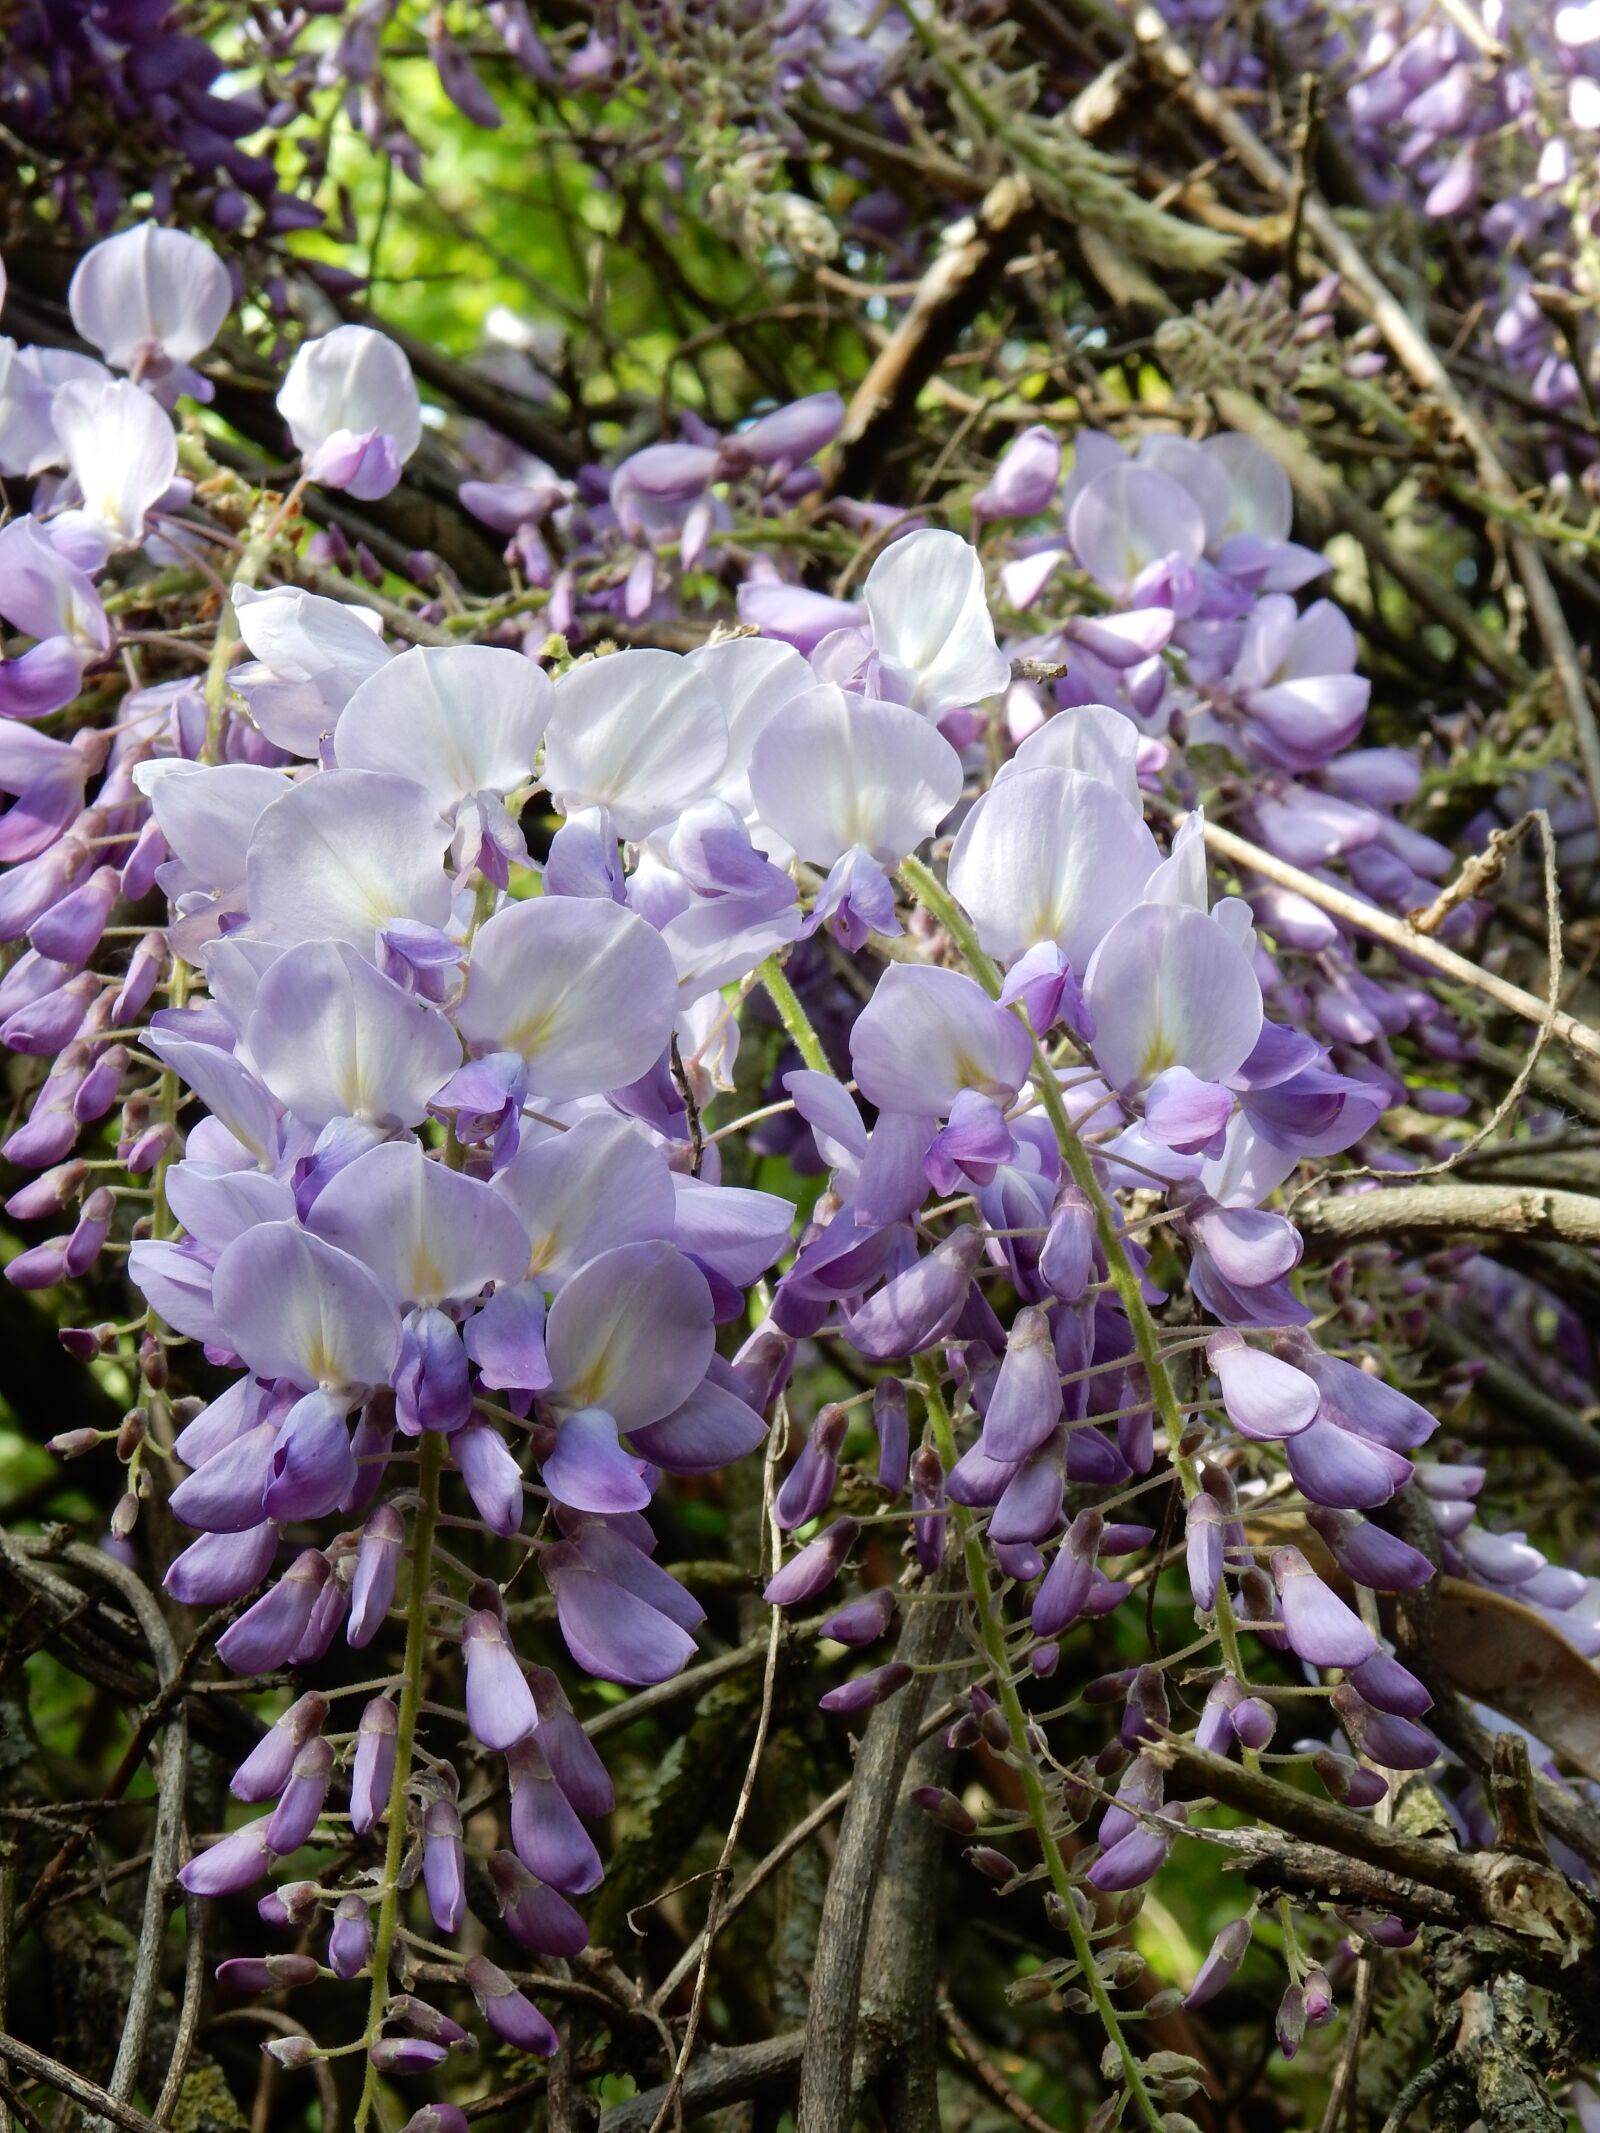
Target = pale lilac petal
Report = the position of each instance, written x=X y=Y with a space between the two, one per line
x=615 y=1635
x=631 y=1333
x=1262 y=501
x=1129 y=517
x=712 y=1428
x=1194 y=469
x=1185 y=1113
x=333 y=1038
x=1025 y=1404
x=583 y=990
x=430 y=1234
x=831 y=772
x=506 y=1339
x=1319 y=1626
x=1359 y=1401
x=220 y=1567
x=178 y=1288
x=207 y=813
x=121 y=450
x=733 y=1230
x=44 y=593
x=600 y=1184
x=352 y=379
x=492 y=1476
x=1265 y=1398
x=549 y=1839
x=640 y=733
x=927 y=1034
x=296 y=1308
x=1167 y=987
x=753 y=679
x=313 y=1464
x=1251 y=1247
x=1335 y=1467
x=150 y=292
x=500 y=1707
x=589 y=1471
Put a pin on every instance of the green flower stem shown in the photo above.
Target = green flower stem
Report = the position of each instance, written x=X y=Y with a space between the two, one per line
x=1146 y=1336
x=793 y=1016
x=992 y=1633
x=924 y=887
x=430 y=1465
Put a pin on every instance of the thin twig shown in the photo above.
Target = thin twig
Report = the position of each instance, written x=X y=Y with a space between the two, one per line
x=1397 y=934
x=987 y=2074
x=671 y=2104
x=167 y=1842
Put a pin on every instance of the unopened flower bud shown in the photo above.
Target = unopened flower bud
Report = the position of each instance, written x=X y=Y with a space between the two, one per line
x=509 y=2013
x=266 y=1973
x=945 y=1808
x=73 y=1443
x=865 y=1691
x=425 y=2021
x=291 y=2053
x=406 y=2055
x=994 y=1865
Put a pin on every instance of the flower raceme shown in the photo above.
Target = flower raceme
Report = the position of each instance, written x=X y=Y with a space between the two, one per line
x=443 y=1209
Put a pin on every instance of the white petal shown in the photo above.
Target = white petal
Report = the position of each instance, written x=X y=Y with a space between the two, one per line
x=833 y=771
x=1050 y=855
x=638 y=732
x=120 y=449
x=303 y=637
x=150 y=289
x=351 y=379
x=752 y=679
x=458 y=719
x=1094 y=738
x=930 y=622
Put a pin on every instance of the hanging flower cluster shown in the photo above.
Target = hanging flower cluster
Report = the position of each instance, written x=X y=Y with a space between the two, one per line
x=451 y=962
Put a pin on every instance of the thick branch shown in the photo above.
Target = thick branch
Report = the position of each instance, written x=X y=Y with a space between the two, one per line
x=1514 y=1895
x=948 y=297
x=1507 y=1210
x=827 y=2072
x=715 y=2080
